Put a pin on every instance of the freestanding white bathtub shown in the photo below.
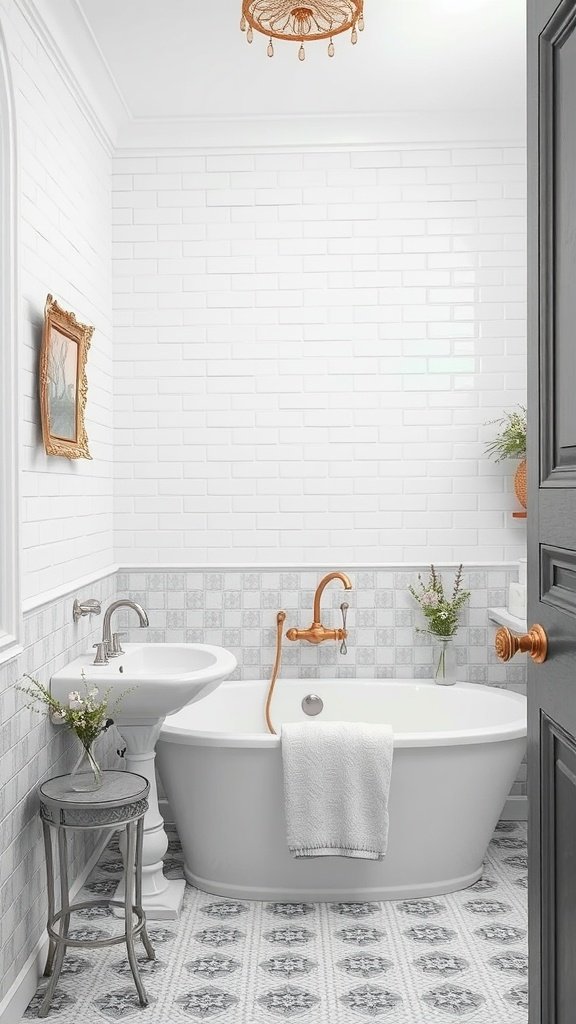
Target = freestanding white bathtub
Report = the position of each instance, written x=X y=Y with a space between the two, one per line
x=457 y=750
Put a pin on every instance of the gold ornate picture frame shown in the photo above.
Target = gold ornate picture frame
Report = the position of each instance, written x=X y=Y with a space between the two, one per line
x=63 y=382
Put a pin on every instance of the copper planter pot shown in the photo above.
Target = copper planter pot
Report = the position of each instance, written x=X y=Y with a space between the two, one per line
x=520 y=484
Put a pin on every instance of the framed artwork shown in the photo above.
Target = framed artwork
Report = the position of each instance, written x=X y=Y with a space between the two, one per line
x=63 y=382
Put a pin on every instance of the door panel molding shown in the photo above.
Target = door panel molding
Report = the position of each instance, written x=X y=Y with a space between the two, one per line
x=557 y=455
x=558 y=578
x=558 y=887
x=552 y=508
x=547 y=887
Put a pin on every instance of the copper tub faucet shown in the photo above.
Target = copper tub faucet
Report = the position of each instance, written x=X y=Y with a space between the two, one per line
x=317 y=633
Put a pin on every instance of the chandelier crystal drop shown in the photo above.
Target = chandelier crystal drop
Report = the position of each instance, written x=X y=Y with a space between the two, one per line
x=300 y=23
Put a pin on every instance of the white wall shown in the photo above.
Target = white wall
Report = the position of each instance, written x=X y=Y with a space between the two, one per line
x=65 y=238
x=307 y=347
x=64 y=235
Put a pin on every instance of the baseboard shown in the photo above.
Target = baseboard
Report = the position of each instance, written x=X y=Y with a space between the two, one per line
x=515 y=809
x=23 y=988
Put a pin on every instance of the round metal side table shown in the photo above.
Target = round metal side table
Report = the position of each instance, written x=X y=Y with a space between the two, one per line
x=119 y=803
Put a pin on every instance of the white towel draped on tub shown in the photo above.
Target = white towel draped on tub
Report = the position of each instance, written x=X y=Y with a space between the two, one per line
x=336 y=785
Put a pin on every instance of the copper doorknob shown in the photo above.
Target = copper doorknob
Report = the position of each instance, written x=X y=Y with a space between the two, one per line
x=534 y=643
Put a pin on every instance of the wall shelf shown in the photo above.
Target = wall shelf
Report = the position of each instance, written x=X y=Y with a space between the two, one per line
x=503 y=618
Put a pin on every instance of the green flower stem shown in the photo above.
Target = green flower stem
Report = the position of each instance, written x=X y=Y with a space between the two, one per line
x=87 y=720
x=441 y=666
x=441 y=612
x=93 y=765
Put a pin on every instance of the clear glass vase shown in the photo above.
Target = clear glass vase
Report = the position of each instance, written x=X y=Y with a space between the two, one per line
x=87 y=774
x=445 y=666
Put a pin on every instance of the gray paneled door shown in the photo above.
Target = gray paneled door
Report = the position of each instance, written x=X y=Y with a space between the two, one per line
x=552 y=506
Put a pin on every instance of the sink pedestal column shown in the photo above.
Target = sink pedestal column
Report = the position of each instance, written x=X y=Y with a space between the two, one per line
x=161 y=897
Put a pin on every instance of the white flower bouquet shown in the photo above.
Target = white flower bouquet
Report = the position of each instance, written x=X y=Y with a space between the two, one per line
x=442 y=613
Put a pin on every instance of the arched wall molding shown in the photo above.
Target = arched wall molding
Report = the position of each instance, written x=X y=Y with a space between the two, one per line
x=10 y=602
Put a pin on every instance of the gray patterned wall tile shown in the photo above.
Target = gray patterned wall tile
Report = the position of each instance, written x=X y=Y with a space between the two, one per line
x=34 y=749
x=238 y=610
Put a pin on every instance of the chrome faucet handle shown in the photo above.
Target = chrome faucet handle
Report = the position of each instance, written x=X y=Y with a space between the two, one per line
x=89 y=607
x=344 y=609
x=101 y=653
x=117 y=648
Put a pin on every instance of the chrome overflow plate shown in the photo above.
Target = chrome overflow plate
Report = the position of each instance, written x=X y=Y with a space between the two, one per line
x=312 y=704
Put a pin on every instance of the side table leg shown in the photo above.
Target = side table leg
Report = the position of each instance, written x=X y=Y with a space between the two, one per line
x=64 y=923
x=138 y=900
x=128 y=909
x=50 y=886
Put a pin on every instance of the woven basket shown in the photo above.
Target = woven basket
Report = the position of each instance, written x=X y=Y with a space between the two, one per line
x=520 y=484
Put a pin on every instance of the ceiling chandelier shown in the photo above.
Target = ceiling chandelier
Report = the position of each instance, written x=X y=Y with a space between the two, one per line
x=317 y=19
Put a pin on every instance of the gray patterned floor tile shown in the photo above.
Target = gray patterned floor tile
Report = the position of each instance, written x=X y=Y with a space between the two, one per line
x=216 y=965
x=289 y=965
x=453 y=999
x=288 y=1002
x=206 y=1003
x=460 y=957
x=371 y=1000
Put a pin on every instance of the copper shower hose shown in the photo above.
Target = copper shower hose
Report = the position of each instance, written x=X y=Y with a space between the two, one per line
x=280 y=620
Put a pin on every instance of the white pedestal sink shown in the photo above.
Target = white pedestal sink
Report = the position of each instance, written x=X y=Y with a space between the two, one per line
x=162 y=678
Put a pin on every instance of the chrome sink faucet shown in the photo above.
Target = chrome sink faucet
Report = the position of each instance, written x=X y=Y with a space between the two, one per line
x=112 y=641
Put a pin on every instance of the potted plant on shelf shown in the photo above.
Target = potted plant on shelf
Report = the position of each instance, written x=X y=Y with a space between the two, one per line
x=510 y=443
x=443 y=615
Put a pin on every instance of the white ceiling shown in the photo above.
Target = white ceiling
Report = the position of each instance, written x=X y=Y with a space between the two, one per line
x=187 y=59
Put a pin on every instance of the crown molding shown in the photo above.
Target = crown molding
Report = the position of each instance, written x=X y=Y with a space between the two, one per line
x=106 y=78
x=68 y=38
x=64 y=34
x=318 y=131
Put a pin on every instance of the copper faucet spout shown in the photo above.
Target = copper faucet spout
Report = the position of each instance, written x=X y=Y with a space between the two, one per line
x=317 y=633
x=344 y=579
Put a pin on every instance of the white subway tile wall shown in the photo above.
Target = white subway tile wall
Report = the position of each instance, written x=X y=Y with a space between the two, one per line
x=308 y=346
x=65 y=248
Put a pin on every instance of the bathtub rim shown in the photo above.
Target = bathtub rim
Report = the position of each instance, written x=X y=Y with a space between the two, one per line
x=515 y=729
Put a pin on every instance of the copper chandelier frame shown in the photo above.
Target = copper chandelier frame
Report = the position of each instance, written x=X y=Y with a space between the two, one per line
x=309 y=21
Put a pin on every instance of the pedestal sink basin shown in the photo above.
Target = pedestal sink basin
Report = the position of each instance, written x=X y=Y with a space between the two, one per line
x=161 y=679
